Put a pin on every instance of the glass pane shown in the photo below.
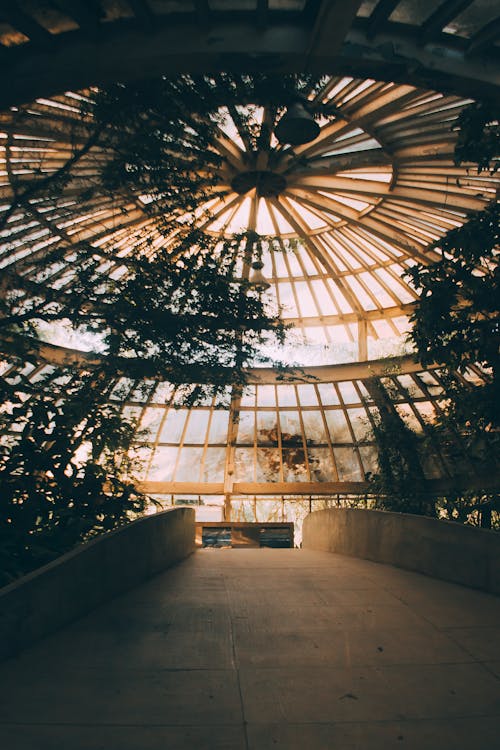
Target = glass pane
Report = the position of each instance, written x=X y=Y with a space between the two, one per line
x=213 y=468
x=196 y=430
x=218 y=427
x=313 y=426
x=294 y=465
x=307 y=395
x=189 y=467
x=246 y=427
x=328 y=394
x=267 y=427
x=243 y=465
x=291 y=431
x=266 y=395
x=359 y=423
x=321 y=465
x=286 y=395
x=172 y=428
x=162 y=468
x=268 y=465
x=339 y=431
x=151 y=422
x=348 y=393
x=347 y=465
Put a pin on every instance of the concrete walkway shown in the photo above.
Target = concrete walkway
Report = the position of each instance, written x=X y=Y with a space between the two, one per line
x=261 y=649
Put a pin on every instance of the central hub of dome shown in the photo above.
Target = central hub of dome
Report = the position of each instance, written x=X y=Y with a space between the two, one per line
x=267 y=184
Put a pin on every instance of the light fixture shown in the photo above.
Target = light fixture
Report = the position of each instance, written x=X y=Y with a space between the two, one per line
x=297 y=126
x=256 y=278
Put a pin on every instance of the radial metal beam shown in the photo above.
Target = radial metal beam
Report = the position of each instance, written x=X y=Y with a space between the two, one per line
x=440 y=66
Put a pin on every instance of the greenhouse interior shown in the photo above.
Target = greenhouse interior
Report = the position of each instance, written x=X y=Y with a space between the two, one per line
x=249 y=268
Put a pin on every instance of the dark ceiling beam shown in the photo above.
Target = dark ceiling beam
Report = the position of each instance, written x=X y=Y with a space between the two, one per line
x=86 y=14
x=441 y=17
x=126 y=51
x=484 y=38
x=202 y=11
x=26 y=24
x=311 y=9
x=379 y=16
x=396 y=55
x=142 y=12
x=331 y=25
x=262 y=13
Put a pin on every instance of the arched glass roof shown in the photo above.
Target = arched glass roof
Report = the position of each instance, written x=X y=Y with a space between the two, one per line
x=352 y=210
x=275 y=446
x=349 y=212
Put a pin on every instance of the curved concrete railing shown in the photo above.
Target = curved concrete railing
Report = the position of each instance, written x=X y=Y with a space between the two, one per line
x=92 y=573
x=442 y=549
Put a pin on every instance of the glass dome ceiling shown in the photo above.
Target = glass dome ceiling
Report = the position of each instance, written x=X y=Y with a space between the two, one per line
x=351 y=211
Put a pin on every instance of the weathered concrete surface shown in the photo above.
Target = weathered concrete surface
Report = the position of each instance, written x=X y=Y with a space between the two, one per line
x=265 y=649
x=441 y=549
x=75 y=583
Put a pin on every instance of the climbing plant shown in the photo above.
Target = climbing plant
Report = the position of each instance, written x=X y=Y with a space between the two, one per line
x=67 y=471
x=178 y=303
x=456 y=323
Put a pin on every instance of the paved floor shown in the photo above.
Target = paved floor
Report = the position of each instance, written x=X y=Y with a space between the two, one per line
x=262 y=649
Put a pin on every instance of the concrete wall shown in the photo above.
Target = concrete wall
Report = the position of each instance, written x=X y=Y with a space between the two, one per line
x=442 y=549
x=67 y=588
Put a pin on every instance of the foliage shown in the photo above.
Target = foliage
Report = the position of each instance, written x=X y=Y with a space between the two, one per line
x=456 y=318
x=159 y=134
x=66 y=471
x=471 y=507
x=471 y=458
x=479 y=136
x=178 y=300
x=177 y=303
x=456 y=323
x=400 y=483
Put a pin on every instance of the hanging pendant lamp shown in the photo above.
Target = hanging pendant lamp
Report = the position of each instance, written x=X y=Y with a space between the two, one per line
x=257 y=278
x=297 y=126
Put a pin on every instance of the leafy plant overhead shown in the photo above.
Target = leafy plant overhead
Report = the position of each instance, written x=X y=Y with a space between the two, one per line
x=159 y=135
x=456 y=323
x=175 y=301
x=456 y=320
x=67 y=471
x=180 y=299
x=479 y=136
x=457 y=317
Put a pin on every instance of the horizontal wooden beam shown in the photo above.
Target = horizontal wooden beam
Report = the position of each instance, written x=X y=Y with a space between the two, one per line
x=62 y=356
x=181 y=488
x=299 y=488
x=302 y=489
